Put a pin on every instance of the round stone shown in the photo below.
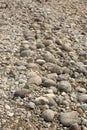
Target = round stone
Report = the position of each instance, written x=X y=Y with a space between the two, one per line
x=48 y=115
x=64 y=86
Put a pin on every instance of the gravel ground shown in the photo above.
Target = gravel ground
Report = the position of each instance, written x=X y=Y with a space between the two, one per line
x=43 y=64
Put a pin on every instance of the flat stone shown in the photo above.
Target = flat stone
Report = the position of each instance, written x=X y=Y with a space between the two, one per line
x=69 y=118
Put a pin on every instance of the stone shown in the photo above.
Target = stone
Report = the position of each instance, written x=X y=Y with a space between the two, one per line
x=34 y=78
x=56 y=69
x=52 y=76
x=21 y=93
x=68 y=118
x=26 y=53
x=84 y=122
x=84 y=106
x=50 y=95
x=81 y=90
x=47 y=42
x=52 y=102
x=41 y=100
x=82 y=97
x=66 y=48
x=31 y=105
x=48 y=82
x=33 y=66
x=74 y=126
x=64 y=86
x=39 y=45
x=48 y=57
x=48 y=115
x=40 y=61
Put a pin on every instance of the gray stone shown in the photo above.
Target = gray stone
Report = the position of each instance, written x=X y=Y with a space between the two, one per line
x=82 y=97
x=40 y=61
x=84 y=107
x=31 y=105
x=26 y=53
x=21 y=93
x=34 y=78
x=75 y=126
x=41 y=100
x=49 y=57
x=64 y=86
x=47 y=42
x=84 y=122
x=68 y=118
x=56 y=69
x=48 y=115
x=48 y=82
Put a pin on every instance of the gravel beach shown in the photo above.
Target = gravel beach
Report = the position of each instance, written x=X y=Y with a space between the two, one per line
x=43 y=64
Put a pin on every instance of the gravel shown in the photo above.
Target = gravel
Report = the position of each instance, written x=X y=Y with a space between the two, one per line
x=43 y=66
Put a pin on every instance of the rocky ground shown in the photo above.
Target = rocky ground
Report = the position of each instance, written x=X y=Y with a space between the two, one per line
x=43 y=64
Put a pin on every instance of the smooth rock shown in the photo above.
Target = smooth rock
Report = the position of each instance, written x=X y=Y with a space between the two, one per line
x=50 y=95
x=48 y=115
x=74 y=126
x=68 y=118
x=40 y=61
x=48 y=82
x=64 y=86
